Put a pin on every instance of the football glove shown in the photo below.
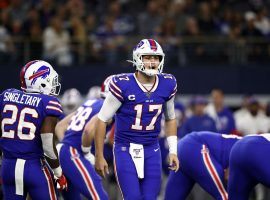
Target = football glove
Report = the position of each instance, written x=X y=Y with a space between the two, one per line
x=61 y=182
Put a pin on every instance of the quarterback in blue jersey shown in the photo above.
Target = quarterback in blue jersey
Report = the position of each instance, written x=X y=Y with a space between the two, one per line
x=28 y=119
x=249 y=165
x=203 y=156
x=77 y=131
x=138 y=100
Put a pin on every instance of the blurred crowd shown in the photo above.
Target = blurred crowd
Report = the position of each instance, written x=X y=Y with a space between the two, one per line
x=103 y=31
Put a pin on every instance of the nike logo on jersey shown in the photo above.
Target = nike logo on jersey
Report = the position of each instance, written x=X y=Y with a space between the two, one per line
x=156 y=149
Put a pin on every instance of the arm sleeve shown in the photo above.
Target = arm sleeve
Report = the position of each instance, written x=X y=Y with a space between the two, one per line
x=169 y=112
x=109 y=108
x=47 y=145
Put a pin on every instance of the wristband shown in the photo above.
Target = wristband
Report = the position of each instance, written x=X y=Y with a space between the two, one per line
x=172 y=143
x=57 y=171
x=85 y=149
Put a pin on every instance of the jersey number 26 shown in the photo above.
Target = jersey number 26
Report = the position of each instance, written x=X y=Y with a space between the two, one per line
x=20 y=117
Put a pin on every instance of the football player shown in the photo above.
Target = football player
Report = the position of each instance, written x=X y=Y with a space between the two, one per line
x=77 y=131
x=204 y=158
x=249 y=165
x=28 y=119
x=138 y=100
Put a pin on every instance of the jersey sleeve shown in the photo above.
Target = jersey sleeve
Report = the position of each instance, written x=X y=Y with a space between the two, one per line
x=116 y=88
x=173 y=87
x=52 y=107
x=170 y=85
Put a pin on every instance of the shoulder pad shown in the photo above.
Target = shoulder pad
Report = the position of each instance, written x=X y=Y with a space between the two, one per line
x=119 y=84
x=169 y=77
x=171 y=83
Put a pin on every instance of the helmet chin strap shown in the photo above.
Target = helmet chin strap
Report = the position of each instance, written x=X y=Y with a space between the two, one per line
x=151 y=70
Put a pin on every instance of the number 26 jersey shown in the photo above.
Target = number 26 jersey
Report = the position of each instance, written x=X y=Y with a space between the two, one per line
x=22 y=116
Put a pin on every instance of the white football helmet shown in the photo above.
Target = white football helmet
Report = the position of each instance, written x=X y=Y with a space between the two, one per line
x=147 y=47
x=71 y=100
x=39 y=76
x=93 y=92
x=105 y=86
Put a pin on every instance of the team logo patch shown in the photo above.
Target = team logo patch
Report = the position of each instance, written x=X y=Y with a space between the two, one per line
x=137 y=152
x=42 y=72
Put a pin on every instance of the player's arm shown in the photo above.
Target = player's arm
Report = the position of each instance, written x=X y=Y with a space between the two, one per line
x=49 y=148
x=87 y=139
x=109 y=108
x=62 y=126
x=88 y=134
x=171 y=133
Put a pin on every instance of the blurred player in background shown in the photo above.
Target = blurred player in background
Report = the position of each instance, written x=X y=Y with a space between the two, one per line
x=71 y=100
x=77 y=131
x=138 y=100
x=28 y=119
x=249 y=165
x=204 y=157
x=93 y=92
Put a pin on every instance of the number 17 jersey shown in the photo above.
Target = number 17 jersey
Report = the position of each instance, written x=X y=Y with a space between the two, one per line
x=139 y=117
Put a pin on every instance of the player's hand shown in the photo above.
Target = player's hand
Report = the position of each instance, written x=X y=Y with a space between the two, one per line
x=101 y=166
x=61 y=182
x=90 y=157
x=173 y=162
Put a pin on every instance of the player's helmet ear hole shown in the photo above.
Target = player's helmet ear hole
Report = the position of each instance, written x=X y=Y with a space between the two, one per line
x=43 y=85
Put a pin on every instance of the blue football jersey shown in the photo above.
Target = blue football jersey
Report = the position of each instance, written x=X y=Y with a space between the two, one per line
x=219 y=145
x=138 y=119
x=73 y=135
x=22 y=116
